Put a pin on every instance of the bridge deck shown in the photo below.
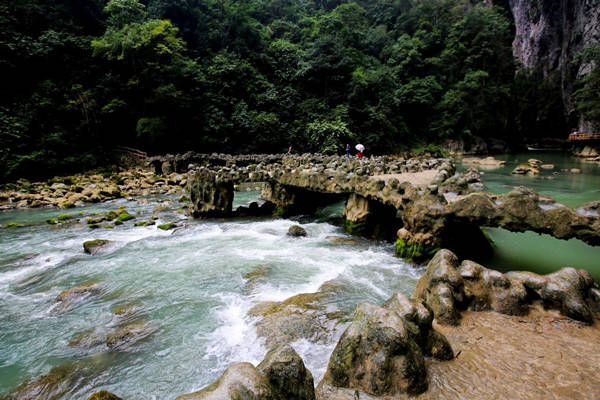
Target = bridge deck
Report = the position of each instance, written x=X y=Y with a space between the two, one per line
x=421 y=178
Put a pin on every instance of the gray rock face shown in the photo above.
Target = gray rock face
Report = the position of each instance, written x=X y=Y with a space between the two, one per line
x=447 y=288
x=550 y=34
x=281 y=376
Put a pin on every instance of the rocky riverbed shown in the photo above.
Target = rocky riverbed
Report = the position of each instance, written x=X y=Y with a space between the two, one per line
x=430 y=345
x=77 y=190
x=492 y=334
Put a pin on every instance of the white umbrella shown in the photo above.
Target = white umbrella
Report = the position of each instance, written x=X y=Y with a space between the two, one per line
x=360 y=147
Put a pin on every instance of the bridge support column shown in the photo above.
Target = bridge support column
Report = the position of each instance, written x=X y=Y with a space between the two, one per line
x=370 y=218
x=209 y=194
x=420 y=243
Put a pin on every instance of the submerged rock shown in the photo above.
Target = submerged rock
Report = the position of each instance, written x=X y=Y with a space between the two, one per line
x=128 y=336
x=61 y=381
x=94 y=246
x=90 y=288
x=341 y=240
x=526 y=169
x=311 y=316
x=88 y=339
x=281 y=376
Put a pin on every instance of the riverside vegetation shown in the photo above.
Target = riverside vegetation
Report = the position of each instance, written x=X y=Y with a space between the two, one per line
x=261 y=75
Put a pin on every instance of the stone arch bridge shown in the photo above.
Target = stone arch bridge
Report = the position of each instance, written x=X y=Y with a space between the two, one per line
x=422 y=203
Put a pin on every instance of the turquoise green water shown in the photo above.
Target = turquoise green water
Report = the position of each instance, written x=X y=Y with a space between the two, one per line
x=187 y=284
x=543 y=253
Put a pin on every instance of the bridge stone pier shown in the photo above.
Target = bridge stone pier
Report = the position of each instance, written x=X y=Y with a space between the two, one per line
x=423 y=204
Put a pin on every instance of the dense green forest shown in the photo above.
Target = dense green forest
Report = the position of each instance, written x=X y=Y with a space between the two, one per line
x=81 y=77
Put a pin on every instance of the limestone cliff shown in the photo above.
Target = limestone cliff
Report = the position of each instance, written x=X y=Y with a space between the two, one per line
x=551 y=33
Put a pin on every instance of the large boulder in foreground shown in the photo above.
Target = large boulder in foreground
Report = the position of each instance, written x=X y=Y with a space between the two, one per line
x=377 y=355
x=448 y=288
x=418 y=319
x=382 y=352
x=287 y=374
x=281 y=376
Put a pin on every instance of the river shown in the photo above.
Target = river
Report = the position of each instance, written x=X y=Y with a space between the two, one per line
x=190 y=285
x=187 y=284
x=543 y=253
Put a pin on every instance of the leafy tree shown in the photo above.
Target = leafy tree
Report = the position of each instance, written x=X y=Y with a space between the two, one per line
x=588 y=94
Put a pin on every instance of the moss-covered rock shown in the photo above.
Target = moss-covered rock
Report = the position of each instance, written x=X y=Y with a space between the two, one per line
x=111 y=215
x=104 y=395
x=166 y=227
x=125 y=216
x=414 y=251
x=296 y=231
x=377 y=355
x=287 y=374
x=14 y=225
x=51 y=221
x=64 y=217
x=93 y=246
x=94 y=226
x=418 y=319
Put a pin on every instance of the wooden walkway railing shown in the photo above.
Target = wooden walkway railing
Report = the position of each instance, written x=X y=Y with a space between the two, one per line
x=584 y=136
x=131 y=151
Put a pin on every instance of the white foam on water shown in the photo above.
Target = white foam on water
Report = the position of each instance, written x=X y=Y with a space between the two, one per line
x=235 y=340
x=40 y=263
x=316 y=355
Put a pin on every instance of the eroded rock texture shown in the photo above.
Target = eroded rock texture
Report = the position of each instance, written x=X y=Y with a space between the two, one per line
x=448 y=287
x=382 y=352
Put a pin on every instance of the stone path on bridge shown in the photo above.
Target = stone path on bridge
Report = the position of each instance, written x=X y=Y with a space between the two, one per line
x=421 y=178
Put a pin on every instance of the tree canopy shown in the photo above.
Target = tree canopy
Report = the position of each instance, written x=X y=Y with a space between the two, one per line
x=84 y=76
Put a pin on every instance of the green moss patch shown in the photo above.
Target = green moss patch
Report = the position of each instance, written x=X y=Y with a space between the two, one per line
x=14 y=225
x=64 y=217
x=414 y=251
x=166 y=227
x=125 y=216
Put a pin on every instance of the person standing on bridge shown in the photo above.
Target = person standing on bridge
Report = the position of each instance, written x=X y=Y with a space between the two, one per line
x=347 y=150
x=360 y=149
